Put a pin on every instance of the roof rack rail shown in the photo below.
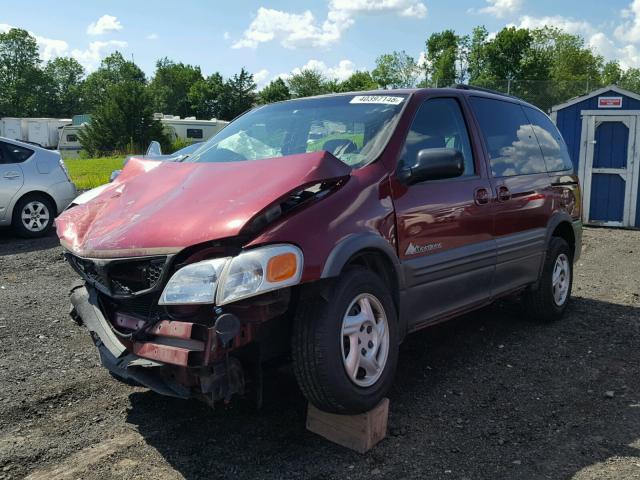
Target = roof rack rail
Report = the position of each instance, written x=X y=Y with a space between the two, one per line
x=463 y=86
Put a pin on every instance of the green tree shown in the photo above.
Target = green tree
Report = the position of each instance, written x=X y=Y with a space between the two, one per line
x=612 y=73
x=630 y=80
x=123 y=122
x=170 y=87
x=395 y=70
x=276 y=91
x=204 y=96
x=307 y=83
x=443 y=51
x=358 y=82
x=63 y=77
x=21 y=79
x=237 y=96
x=476 y=54
x=113 y=70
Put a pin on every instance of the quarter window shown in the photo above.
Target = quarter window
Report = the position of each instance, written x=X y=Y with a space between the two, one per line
x=554 y=149
x=510 y=140
x=10 y=153
x=439 y=123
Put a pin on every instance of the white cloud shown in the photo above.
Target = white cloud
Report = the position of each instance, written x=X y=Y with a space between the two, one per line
x=90 y=58
x=106 y=23
x=343 y=70
x=568 y=25
x=629 y=30
x=405 y=8
x=260 y=77
x=226 y=35
x=500 y=8
x=295 y=30
x=49 y=47
x=152 y=36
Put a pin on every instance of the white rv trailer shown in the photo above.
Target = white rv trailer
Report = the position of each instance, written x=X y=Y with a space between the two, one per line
x=40 y=131
x=69 y=143
x=189 y=129
x=186 y=129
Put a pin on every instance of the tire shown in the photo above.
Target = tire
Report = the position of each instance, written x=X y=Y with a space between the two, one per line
x=42 y=211
x=322 y=352
x=548 y=302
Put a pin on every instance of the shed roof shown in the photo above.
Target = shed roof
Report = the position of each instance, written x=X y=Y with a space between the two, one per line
x=595 y=93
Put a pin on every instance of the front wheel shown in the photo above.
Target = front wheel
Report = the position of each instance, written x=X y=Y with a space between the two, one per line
x=549 y=301
x=345 y=346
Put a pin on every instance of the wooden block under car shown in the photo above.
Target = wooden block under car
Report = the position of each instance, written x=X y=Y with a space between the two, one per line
x=357 y=432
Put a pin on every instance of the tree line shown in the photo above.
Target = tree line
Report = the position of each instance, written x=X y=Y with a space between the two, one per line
x=545 y=66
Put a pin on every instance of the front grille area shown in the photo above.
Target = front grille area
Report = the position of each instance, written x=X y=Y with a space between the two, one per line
x=122 y=278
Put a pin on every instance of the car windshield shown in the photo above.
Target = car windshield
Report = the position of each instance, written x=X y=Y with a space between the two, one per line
x=354 y=128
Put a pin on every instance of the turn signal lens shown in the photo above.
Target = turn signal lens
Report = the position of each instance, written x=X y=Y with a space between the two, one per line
x=282 y=267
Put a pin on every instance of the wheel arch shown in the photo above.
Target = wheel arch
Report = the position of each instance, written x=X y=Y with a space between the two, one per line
x=373 y=252
x=561 y=225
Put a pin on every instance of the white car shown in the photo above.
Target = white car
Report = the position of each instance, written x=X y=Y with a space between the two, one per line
x=34 y=187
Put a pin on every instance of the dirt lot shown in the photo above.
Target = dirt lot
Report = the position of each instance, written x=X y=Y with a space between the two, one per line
x=486 y=396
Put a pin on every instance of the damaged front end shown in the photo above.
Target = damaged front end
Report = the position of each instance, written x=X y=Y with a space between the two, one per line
x=181 y=350
x=174 y=297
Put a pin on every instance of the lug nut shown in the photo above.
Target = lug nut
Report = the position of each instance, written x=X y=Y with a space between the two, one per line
x=363 y=351
x=370 y=344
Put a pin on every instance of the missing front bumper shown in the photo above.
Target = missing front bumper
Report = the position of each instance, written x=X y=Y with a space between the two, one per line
x=174 y=377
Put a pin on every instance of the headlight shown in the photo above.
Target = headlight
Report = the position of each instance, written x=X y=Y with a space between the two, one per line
x=259 y=271
x=194 y=284
x=224 y=280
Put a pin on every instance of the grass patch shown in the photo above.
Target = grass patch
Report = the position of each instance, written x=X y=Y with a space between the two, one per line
x=92 y=172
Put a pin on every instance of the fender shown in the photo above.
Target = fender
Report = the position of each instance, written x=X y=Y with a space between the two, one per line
x=352 y=244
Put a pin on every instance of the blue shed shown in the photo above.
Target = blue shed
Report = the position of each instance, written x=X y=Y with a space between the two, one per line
x=602 y=131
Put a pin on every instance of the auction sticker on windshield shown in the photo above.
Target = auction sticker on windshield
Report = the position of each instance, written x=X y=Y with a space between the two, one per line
x=379 y=99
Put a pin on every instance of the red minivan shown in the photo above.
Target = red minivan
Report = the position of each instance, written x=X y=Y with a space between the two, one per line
x=327 y=229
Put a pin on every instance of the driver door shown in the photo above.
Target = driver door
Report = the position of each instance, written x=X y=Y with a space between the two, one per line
x=444 y=227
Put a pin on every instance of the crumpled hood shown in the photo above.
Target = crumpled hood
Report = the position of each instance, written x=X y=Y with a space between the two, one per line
x=162 y=207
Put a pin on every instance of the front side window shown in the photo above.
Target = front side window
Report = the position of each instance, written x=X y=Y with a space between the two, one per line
x=13 y=153
x=354 y=128
x=512 y=145
x=554 y=149
x=439 y=123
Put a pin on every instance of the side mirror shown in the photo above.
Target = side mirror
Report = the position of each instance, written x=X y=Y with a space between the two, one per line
x=434 y=164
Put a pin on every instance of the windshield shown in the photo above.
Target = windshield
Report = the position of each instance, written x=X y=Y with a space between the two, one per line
x=354 y=128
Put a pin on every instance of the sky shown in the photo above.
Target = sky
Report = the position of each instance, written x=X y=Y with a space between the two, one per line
x=278 y=37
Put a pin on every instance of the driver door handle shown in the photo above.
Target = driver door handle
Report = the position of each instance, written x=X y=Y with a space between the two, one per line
x=503 y=193
x=481 y=196
x=11 y=175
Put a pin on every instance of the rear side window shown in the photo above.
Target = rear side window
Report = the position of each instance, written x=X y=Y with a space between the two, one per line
x=10 y=153
x=439 y=123
x=511 y=143
x=554 y=150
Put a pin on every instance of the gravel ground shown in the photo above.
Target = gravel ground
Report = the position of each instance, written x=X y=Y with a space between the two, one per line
x=486 y=396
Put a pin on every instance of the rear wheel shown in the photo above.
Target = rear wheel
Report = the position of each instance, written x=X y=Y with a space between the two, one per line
x=549 y=301
x=33 y=216
x=345 y=347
